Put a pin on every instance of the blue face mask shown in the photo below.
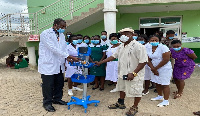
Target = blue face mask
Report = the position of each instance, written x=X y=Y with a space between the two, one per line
x=80 y=40
x=95 y=41
x=61 y=30
x=75 y=42
x=154 y=43
x=142 y=42
x=103 y=37
x=114 y=42
x=135 y=37
x=87 y=41
x=177 y=49
x=92 y=41
x=171 y=37
x=67 y=43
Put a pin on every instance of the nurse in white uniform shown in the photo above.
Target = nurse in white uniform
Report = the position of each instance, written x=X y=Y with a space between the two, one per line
x=86 y=40
x=159 y=56
x=72 y=50
x=104 y=40
x=112 y=67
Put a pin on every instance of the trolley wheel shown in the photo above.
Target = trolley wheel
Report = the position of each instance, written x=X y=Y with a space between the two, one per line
x=96 y=105
x=68 y=107
x=85 y=110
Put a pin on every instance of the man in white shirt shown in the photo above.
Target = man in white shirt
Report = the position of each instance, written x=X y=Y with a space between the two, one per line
x=52 y=55
x=132 y=58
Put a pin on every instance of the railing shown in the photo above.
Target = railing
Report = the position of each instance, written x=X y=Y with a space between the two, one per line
x=17 y=24
x=60 y=9
x=34 y=23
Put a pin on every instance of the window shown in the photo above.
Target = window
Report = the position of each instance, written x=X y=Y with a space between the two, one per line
x=149 y=22
x=170 y=21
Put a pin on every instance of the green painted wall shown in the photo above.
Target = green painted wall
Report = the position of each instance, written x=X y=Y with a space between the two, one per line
x=93 y=30
x=190 y=21
x=36 y=5
x=58 y=10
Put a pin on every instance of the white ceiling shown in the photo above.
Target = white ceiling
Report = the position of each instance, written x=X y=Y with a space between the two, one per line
x=160 y=8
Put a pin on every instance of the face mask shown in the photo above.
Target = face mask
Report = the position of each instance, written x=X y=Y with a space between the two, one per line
x=75 y=42
x=61 y=30
x=171 y=37
x=114 y=42
x=124 y=38
x=67 y=43
x=80 y=40
x=87 y=41
x=142 y=42
x=68 y=36
x=177 y=49
x=95 y=41
x=154 y=43
x=103 y=37
x=135 y=37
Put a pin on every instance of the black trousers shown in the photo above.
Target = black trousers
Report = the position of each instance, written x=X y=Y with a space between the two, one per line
x=52 y=88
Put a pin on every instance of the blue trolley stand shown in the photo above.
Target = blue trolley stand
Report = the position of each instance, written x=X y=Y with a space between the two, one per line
x=83 y=53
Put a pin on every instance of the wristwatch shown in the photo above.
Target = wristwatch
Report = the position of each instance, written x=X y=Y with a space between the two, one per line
x=135 y=74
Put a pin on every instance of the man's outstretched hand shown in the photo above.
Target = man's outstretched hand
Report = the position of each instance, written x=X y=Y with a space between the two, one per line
x=75 y=59
x=71 y=58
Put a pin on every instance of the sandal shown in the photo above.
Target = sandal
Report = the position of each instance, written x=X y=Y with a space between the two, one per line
x=117 y=105
x=175 y=92
x=197 y=113
x=177 y=95
x=132 y=111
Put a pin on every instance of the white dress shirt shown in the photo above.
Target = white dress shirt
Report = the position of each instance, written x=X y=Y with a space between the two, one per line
x=52 y=53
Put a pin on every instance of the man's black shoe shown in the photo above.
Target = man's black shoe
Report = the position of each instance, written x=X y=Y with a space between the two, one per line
x=61 y=102
x=49 y=108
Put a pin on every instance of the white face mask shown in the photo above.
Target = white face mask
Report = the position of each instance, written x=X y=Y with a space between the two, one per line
x=124 y=38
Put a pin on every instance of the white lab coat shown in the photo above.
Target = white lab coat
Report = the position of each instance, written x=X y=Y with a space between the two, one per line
x=52 y=53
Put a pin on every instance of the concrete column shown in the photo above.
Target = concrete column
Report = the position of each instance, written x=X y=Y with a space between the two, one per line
x=110 y=16
x=32 y=57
